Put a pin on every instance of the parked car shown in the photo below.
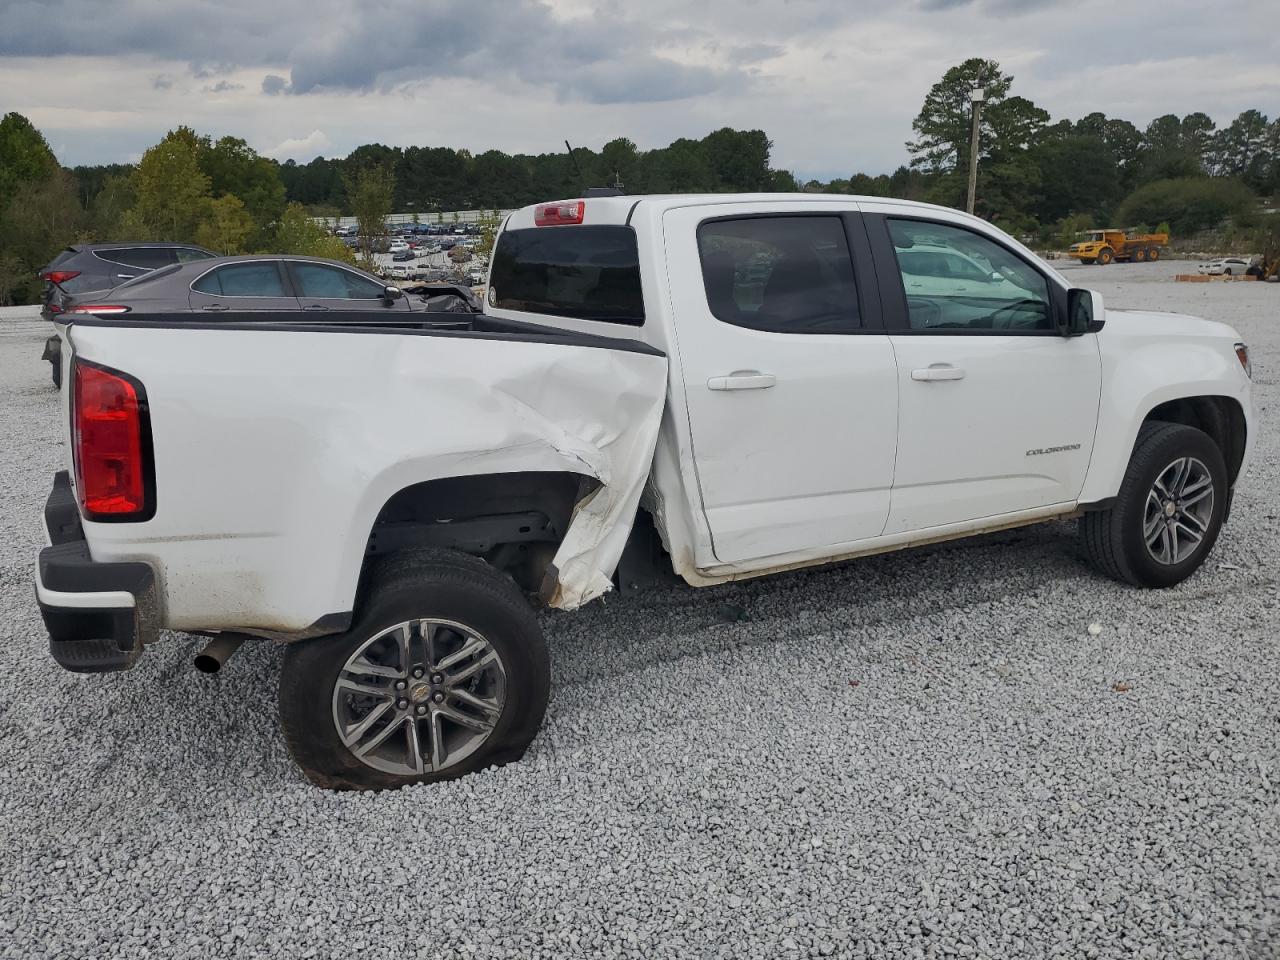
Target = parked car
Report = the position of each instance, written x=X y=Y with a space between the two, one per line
x=1226 y=266
x=253 y=283
x=102 y=266
x=397 y=245
x=406 y=254
x=382 y=498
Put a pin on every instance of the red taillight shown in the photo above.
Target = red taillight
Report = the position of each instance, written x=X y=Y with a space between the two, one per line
x=99 y=308
x=111 y=438
x=559 y=213
x=59 y=276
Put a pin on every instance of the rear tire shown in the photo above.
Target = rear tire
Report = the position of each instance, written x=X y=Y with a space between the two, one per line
x=1126 y=541
x=398 y=699
x=1153 y=254
x=1140 y=255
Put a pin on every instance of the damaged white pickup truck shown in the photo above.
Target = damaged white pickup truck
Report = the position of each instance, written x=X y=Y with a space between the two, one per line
x=731 y=385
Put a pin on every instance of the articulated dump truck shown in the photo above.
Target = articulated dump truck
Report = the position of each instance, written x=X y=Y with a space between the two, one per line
x=1103 y=246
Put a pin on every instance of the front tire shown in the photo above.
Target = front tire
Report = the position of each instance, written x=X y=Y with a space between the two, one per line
x=1105 y=256
x=443 y=672
x=1169 y=512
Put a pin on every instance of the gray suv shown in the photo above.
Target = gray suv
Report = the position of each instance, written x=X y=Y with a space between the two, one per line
x=104 y=266
x=100 y=267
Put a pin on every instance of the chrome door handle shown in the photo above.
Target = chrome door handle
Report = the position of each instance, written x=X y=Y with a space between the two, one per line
x=215 y=306
x=938 y=371
x=315 y=306
x=743 y=380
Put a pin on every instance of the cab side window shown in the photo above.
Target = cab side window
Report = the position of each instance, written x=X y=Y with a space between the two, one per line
x=958 y=281
x=780 y=274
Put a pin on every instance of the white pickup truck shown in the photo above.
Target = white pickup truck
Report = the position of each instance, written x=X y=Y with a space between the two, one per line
x=730 y=385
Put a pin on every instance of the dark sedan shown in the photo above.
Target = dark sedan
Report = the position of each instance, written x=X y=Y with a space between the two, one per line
x=287 y=284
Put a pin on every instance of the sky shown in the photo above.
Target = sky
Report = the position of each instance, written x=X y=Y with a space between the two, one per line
x=834 y=83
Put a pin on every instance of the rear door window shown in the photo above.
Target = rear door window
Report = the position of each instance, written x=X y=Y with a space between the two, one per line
x=781 y=274
x=188 y=254
x=145 y=258
x=581 y=272
x=259 y=279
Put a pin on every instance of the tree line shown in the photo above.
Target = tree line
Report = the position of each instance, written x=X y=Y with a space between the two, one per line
x=1051 y=179
x=1036 y=177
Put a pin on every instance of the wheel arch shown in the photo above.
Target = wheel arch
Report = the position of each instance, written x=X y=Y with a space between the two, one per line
x=1222 y=418
x=513 y=520
x=1219 y=415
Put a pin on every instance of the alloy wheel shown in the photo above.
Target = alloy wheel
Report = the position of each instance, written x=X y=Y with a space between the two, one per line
x=1179 y=511
x=419 y=697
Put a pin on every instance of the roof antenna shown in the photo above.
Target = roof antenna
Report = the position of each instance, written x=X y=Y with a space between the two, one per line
x=577 y=169
x=614 y=191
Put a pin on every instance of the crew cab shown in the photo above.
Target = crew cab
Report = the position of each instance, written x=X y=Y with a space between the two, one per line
x=728 y=386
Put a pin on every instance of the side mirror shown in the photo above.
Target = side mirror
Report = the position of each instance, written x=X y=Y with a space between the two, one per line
x=996 y=276
x=1084 y=309
x=390 y=293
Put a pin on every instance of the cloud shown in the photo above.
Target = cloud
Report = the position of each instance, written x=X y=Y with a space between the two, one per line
x=309 y=147
x=834 y=83
x=750 y=53
x=334 y=45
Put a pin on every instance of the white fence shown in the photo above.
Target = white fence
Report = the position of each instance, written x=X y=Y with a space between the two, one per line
x=395 y=219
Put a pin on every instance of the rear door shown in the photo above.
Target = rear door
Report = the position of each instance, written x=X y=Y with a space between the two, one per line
x=324 y=286
x=789 y=378
x=247 y=285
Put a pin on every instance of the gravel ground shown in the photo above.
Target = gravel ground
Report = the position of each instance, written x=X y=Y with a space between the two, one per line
x=920 y=755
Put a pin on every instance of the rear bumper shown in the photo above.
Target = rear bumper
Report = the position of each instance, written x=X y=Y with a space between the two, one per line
x=98 y=615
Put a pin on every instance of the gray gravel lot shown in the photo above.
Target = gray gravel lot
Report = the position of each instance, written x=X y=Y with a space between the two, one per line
x=919 y=755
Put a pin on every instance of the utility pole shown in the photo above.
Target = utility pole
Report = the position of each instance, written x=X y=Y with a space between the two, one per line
x=976 y=99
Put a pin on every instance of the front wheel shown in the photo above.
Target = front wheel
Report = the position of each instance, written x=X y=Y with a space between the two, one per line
x=444 y=672
x=1169 y=511
x=1105 y=256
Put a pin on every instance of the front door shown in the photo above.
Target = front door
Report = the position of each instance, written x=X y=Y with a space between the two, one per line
x=997 y=409
x=791 y=390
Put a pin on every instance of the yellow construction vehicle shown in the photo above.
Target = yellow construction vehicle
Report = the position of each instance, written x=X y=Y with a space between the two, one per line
x=1103 y=246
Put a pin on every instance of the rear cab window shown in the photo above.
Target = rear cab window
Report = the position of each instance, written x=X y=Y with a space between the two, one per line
x=584 y=272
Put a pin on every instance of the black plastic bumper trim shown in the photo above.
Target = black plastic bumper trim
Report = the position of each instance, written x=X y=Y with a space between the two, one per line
x=92 y=639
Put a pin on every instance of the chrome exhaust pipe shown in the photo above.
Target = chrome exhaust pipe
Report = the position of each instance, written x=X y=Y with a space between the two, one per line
x=218 y=651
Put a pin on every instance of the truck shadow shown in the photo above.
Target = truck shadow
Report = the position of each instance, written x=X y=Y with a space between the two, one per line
x=195 y=744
